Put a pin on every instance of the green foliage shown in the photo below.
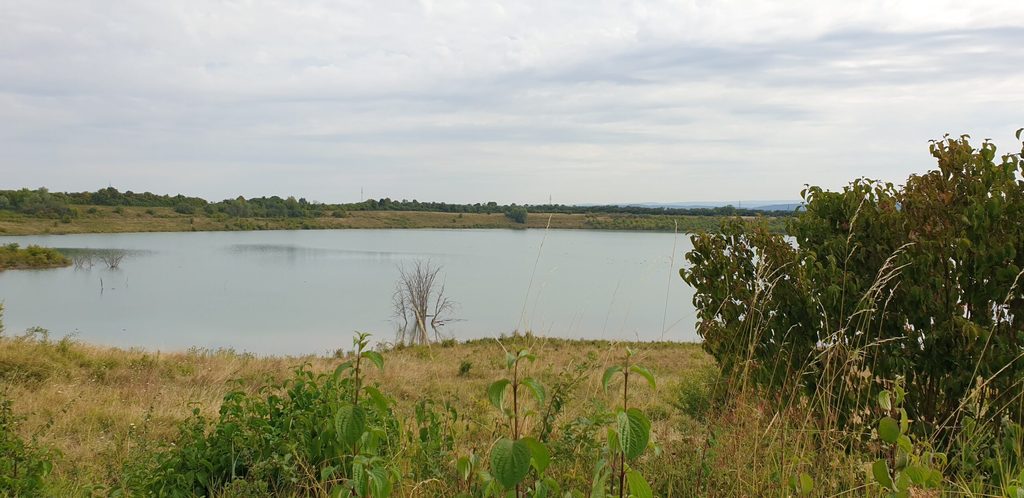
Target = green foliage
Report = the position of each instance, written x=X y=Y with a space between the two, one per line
x=184 y=208
x=327 y=433
x=39 y=202
x=23 y=465
x=432 y=439
x=695 y=393
x=517 y=214
x=511 y=458
x=510 y=461
x=632 y=433
x=908 y=463
x=922 y=281
x=12 y=256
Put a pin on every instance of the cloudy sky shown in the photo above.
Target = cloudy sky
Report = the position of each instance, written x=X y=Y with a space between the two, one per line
x=465 y=101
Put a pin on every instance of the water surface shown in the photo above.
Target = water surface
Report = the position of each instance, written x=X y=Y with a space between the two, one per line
x=307 y=291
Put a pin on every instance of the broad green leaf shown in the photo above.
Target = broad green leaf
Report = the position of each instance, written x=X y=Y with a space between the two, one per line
x=645 y=373
x=510 y=462
x=806 y=484
x=375 y=357
x=607 y=377
x=903 y=442
x=463 y=467
x=888 y=429
x=379 y=400
x=600 y=480
x=341 y=369
x=539 y=452
x=884 y=400
x=634 y=431
x=496 y=392
x=537 y=388
x=638 y=486
x=904 y=421
x=380 y=482
x=880 y=471
x=917 y=474
x=350 y=423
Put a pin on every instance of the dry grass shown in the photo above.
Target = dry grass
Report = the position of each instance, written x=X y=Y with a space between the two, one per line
x=138 y=219
x=92 y=403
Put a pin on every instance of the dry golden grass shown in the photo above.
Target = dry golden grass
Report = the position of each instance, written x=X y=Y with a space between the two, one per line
x=92 y=403
x=138 y=219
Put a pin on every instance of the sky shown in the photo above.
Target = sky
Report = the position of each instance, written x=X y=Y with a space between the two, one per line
x=522 y=101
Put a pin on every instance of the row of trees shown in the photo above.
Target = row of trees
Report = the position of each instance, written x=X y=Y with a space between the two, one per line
x=42 y=202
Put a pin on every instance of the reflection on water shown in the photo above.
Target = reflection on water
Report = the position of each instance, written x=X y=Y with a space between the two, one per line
x=291 y=250
x=307 y=291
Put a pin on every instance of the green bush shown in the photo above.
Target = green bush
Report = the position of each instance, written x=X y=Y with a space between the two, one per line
x=23 y=465
x=12 y=256
x=921 y=281
x=184 y=208
x=517 y=214
x=324 y=434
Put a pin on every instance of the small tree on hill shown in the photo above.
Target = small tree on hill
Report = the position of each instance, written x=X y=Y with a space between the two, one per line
x=517 y=214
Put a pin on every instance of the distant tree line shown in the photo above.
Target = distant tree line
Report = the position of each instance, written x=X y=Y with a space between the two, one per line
x=42 y=202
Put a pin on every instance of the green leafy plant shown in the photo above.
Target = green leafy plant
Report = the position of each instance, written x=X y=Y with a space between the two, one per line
x=512 y=457
x=632 y=433
x=327 y=434
x=909 y=463
x=23 y=465
x=922 y=280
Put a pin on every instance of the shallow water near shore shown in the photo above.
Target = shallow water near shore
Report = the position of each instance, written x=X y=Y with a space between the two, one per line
x=297 y=292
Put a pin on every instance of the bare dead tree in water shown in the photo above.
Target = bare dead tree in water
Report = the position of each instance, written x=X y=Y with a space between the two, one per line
x=420 y=303
x=82 y=261
x=112 y=259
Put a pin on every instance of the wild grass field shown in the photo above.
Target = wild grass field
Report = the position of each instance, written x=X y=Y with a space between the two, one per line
x=97 y=407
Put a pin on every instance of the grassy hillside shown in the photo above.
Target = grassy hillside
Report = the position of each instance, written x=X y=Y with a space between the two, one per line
x=105 y=219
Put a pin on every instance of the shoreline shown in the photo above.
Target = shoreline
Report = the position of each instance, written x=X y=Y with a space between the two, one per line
x=103 y=219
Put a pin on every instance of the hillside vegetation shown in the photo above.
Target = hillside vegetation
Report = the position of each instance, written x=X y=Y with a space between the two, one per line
x=106 y=219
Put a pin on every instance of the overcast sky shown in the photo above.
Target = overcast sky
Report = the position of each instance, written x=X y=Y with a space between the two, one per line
x=584 y=101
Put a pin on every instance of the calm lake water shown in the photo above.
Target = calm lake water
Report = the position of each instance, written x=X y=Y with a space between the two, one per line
x=298 y=292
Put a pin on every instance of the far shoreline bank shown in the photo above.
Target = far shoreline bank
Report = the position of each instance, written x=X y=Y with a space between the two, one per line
x=98 y=219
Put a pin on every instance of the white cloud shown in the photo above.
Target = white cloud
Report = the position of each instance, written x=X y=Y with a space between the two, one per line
x=589 y=101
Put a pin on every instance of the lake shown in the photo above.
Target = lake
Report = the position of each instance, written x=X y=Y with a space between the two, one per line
x=296 y=292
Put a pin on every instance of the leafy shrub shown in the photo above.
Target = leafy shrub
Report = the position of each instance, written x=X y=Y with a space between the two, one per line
x=184 y=208
x=695 y=393
x=23 y=465
x=12 y=256
x=320 y=434
x=922 y=280
x=517 y=214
